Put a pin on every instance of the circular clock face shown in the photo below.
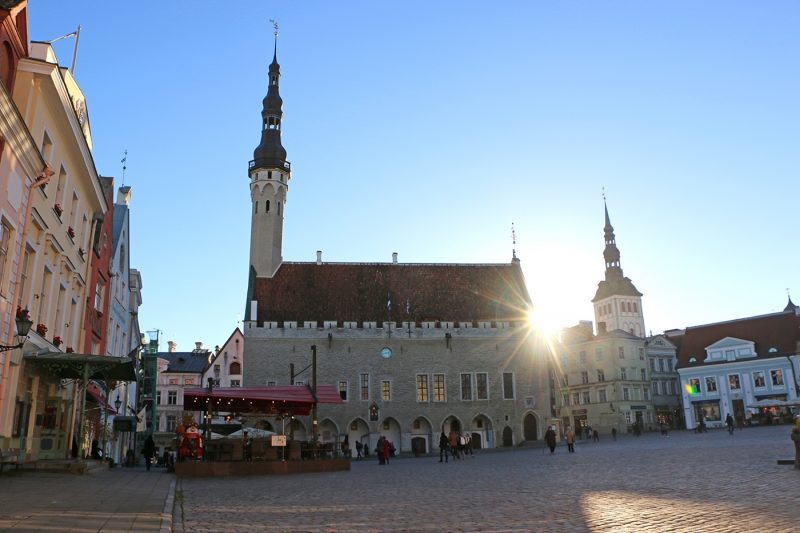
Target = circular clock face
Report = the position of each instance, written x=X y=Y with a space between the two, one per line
x=386 y=353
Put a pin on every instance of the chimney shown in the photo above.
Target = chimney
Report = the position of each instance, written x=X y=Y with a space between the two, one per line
x=394 y=257
x=173 y=346
x=319 y=257
x=198 y=346
x=124 y=195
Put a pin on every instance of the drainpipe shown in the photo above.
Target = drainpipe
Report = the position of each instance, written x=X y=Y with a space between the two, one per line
x=40 y=182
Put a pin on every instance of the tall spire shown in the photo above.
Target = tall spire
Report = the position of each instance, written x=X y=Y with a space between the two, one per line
x=611 y=252
x=270 y=153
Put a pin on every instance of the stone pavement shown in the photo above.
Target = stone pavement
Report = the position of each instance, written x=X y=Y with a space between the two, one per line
x=104 y=500
x=686 y=482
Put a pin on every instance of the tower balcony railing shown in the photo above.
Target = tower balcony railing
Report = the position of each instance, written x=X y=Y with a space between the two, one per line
x=269 y=162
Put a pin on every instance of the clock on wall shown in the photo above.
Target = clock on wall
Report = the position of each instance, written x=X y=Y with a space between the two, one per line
x=386 y=352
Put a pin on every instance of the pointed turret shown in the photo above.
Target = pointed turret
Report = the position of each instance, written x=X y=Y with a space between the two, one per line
x=270 y=153
x=617 y=302
x=270 y=173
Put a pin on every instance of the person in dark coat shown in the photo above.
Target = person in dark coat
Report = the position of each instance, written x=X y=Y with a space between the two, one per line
x=444 y=444
x=729 y=423
x=379 y=451
x=358 y=450
x=550 y=439
x=148 y=450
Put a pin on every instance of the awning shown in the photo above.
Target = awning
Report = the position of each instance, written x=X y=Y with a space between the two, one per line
x=78 y=365
x=99 y=397
x=293 y=399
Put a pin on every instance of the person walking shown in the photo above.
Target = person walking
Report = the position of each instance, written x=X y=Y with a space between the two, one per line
x=148 y=450
x=359 y=446
x=614 y=433
x=387 y=449
x=796 y=439
x=379 y=450
x=453 y=441
x=569 y=436
x=550 y=439
x=444 y=444
x=729 y=423
x=595 y=435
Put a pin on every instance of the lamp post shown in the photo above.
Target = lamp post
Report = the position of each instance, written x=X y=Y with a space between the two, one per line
x=23 y=328
x=117 y=404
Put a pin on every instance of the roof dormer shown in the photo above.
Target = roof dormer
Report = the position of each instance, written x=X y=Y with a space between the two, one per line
x=730 y=349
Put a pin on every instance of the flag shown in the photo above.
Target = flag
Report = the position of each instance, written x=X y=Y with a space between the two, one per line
x=408 y=306
x=388 y=302
x=141 y=421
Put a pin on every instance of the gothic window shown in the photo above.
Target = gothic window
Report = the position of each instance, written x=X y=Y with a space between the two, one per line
x=256 y=208
x=266 y=207
x=235 y=369
x=279 y=208
x=635 y=308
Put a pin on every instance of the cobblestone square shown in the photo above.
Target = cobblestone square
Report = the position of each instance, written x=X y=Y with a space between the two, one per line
x=684 y=482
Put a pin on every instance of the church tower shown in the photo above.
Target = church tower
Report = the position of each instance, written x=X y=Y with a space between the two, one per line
x=270 y=173
x=617 y=303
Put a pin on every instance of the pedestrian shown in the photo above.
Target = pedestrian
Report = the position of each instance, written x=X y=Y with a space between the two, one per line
x=247 y=447
x=444 y=444
x=148 y=450
x=614 y=433
x=468 y=447
x=359 y=446
x=379 y=450
x=595 y=435
x=729 y=423
x=569 y=436
x=453 y=441
x=796 y=439
x=462 y=445
x=388 y=447
x=550 y=439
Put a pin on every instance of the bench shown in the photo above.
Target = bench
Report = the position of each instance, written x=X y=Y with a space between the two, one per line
x=9 y=457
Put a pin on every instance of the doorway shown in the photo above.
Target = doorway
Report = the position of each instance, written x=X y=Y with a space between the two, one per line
x=508 y=437
x=529 y=427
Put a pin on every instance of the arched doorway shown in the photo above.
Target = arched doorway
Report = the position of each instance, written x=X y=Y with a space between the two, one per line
x=390 y=429
x=297 y=430
x=530 y=428
x=508 y=437
x=421 y=435
x=451 y=423
x=481 y=426
x=328 y=432
x=358 y=430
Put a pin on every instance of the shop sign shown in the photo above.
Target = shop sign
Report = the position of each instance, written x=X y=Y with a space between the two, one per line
x=578 y=412
x=638 y=407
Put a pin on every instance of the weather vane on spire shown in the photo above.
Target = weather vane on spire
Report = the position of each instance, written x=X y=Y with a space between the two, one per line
x=124 y=166
x=603 y=188
x=275 y=26
x=513 y=241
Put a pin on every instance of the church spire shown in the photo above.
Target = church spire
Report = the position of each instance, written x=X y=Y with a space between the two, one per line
x=271 y=153
x=611 y=252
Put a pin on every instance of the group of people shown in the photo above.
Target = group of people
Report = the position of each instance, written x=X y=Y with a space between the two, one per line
x=550 y=437
x=456 y=445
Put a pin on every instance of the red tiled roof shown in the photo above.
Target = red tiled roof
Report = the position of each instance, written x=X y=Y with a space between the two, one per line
x=357 y=292
x=294 y=399
x=777 y=330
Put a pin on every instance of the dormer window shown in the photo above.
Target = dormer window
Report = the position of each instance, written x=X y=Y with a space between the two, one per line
x=773 y=350
x=730 y=349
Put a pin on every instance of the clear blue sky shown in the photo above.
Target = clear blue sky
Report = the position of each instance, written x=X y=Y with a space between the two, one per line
x=425 y=128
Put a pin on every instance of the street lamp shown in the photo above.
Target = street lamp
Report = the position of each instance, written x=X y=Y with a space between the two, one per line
x=23 y=327
x=117 y=404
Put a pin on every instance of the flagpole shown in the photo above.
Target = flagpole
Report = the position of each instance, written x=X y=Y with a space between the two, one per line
x=75 y=50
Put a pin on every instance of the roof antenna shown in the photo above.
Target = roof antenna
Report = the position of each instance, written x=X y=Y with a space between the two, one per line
x=124 y=166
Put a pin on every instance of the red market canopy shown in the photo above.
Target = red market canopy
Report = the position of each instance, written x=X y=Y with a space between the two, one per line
x=292 y=399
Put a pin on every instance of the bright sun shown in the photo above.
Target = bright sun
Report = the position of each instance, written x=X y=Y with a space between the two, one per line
x=547 y=324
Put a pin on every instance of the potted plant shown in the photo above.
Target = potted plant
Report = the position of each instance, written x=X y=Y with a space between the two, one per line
x=69 y=349
x=41 y=329
x=57 y=341
x=71 y=232
x=57 y=208
x=23 y=313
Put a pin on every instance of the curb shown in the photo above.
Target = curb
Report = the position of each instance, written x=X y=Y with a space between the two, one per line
x=166 y=514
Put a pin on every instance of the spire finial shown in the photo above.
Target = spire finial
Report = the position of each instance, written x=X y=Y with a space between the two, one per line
x=124 y=166
x=275 y=27
x=513 y=242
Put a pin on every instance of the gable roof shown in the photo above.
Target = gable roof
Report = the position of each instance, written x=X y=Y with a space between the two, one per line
x=777 y=330
x=194 y=362
x=362 y=291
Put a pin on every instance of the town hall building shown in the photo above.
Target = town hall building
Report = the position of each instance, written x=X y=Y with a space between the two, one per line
x=415 y=349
